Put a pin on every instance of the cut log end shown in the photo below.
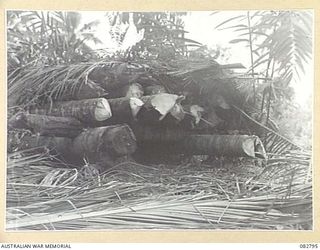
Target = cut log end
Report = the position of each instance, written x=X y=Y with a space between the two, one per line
x=105 y=143
x=123 y=141
x=103 y=110
x=253 y=147
x=259 y=149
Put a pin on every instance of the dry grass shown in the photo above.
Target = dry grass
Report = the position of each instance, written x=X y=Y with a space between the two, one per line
x=43 y=194
x=223 y=195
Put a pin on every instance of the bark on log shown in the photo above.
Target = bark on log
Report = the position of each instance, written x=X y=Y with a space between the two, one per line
x=47 y=125
x=89 y=110
x=124 y=110
x=157 y=134
x=224 y=145
x=173 y=141
x=104 y=142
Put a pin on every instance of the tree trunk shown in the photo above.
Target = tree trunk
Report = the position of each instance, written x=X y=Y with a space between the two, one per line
x=157 y=134
x=166 y=140
x=47 y=125
x=103 y=143
x=97 y=145
x=145 y=110
x=224 y=145
x=124 y=110
x=89 y=110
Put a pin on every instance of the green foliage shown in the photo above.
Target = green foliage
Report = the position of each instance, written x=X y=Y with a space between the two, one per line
x=281 y=41
x=280 y=45
x=36 y=38
x=163 y=34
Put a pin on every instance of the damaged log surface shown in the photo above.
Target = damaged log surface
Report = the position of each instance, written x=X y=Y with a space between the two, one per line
x=125 y=109
x=157 y=134
x=226 y=145
x=173 y=141
x=147 y=110
x=47 y=125
x=102 y=142
x=89 y=110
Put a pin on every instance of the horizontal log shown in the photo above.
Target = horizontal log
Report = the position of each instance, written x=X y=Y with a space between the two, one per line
x=147 y=110
x=124 y=110
x=223 y=145
x=104 y=144
x=98 y=143
x=168 y=140
x=157 y=134
x=47 y=125
x=89 y=110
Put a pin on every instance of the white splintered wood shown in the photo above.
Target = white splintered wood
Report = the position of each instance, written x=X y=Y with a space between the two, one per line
x=259 y=149
x=135 y=105
x=196 y=111
x=248 y=146
x=103 y=110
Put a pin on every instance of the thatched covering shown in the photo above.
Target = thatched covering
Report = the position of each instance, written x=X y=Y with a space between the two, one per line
x=181 y=192
x=224 y=195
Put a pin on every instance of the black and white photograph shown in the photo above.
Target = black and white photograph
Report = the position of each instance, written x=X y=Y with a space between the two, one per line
x=195 y=120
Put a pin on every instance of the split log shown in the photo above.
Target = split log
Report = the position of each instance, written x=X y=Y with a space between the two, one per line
x=147 y=110
x=124 y=109
x=89 y=110
x=157 y=107
x=103 y=143
x=47 y=125
x=192 y=117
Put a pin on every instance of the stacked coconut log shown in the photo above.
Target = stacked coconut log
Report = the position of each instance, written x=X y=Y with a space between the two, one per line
x=100 y=124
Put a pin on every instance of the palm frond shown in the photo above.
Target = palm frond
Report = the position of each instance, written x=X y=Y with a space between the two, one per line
x=274 y=142
x=134 y=196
